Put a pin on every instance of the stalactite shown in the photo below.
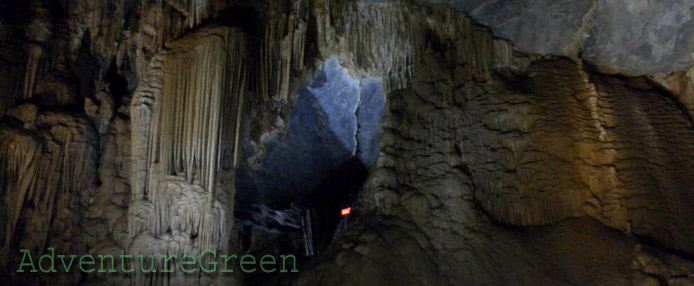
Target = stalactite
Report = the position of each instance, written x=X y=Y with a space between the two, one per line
x=191 y=103
x=503 y=54
x=42 y=168
x=195 y=10
x=282 y=49
x=194 y=87
x=184 y=14
x=18 y=153
x=379 y=44
x=192 y=98
x=35 y=52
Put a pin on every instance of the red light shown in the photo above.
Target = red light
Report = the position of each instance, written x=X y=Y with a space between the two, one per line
x=346 y=211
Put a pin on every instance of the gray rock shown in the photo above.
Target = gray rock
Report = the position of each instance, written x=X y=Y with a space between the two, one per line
x=335 y=118
x=631 y=37
x=641 y=37
x=546 y=27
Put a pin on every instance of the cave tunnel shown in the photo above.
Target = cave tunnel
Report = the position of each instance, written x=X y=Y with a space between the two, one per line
x=317 y=166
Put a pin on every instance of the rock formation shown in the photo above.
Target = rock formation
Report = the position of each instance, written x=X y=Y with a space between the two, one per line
x=474 y=142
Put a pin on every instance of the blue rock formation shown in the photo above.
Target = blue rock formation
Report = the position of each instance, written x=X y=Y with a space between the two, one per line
x=335 y=119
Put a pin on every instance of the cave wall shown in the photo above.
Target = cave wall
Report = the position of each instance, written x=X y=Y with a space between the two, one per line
x=507 y=156
x=536 y=146
x=443 y=194
x=638 y=37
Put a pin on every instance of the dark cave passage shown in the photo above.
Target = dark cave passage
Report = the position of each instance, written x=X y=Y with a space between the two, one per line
x=290 y=200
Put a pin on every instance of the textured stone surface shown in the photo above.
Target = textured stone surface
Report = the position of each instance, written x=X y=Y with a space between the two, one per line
x=369 y=112
x=445 y=159
x=122 y=123
x=334 y=119
x=545 y=27
x=643 y=37
x=182 y=192
x=633 y=37
x=49 y=165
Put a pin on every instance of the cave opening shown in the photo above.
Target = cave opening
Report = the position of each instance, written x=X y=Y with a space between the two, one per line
x=289 y=199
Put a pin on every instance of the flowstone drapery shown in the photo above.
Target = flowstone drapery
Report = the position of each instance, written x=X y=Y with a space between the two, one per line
x=188 y=115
